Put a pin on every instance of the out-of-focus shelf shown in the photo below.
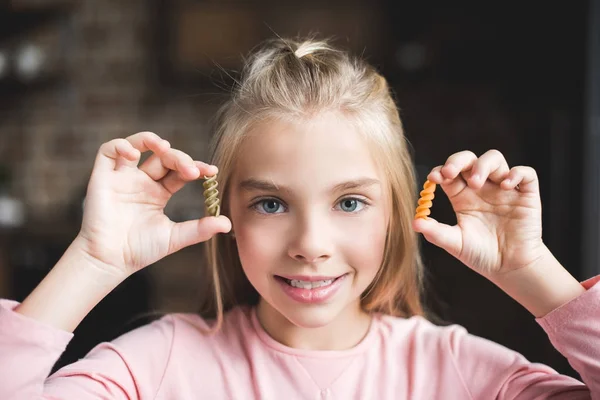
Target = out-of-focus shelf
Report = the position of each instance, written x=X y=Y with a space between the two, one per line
x=33 y=47
x=11 y=87
x=15 y=21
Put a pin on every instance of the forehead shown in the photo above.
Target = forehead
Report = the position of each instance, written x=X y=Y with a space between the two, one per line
x=327 y=145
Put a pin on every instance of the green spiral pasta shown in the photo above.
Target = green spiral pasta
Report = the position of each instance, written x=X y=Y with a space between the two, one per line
x=211 y=194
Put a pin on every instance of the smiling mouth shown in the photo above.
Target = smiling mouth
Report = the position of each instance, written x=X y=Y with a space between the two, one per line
x=309 y=285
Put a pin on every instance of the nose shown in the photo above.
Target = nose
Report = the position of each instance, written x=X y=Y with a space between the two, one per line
x=311 y=241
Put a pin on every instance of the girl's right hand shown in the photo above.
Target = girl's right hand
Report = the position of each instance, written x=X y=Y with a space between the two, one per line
x=124 y=227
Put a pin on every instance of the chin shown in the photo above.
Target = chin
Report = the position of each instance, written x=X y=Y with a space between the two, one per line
x=305 y=316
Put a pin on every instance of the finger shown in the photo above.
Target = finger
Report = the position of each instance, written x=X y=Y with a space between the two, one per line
x=148 y=141
x=154 y=167
x=435 y=175
x=179 y=161
x=491 y=165
x=454 y=171
x=188 y=233
x=444 y=236
x=174 y=181
x=116 y=152
x=144 y=141
x=525 y=177
x=159 y=165
x=457 y=163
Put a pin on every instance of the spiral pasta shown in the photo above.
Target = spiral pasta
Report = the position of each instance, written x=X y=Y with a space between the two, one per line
x=425 y=202
x=211 y=195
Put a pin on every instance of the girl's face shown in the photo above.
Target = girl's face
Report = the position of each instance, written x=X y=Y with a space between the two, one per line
x=309 y=214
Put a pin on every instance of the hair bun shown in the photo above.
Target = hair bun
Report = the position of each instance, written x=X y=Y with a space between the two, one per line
x=308 y=48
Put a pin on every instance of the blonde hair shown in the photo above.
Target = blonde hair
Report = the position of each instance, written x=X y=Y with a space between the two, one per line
x=298 y=79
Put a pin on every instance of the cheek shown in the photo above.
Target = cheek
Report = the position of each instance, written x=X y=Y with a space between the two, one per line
x=260 y=253
x=258 y=247
x=253 y=246
x=364 y=248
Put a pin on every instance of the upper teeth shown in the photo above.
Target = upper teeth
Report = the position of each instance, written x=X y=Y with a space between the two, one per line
x=309 y=285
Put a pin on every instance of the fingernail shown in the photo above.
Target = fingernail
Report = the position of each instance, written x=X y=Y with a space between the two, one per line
x=476 y=177
x=228 y=223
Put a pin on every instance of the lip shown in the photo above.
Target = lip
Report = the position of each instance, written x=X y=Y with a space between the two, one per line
x=312 y=296
x=308 y=278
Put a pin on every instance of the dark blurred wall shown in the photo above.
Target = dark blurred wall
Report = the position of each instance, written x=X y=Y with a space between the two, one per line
x=51 y=130
x=51 y=134
x=507 y=76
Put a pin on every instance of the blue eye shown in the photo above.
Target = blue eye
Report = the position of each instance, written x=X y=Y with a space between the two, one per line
x=274 y=206
x=268 y=206
x=351 y=204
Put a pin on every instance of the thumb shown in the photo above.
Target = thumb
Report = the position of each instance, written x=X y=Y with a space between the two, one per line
x=200 y=230
x=444 y=236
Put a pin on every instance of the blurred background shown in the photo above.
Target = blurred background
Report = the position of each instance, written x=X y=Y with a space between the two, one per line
x=520 y=77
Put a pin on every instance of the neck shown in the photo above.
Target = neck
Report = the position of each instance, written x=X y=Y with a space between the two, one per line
x=344 y=332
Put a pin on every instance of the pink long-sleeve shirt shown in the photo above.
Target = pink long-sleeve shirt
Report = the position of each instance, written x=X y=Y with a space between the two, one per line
x=398 y=359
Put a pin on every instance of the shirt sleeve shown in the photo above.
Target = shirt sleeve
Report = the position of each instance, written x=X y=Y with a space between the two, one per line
x=130 y=367
x=490 y=370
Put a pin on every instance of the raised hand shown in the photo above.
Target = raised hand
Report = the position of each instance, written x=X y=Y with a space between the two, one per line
x=498 y=212
x=124 y=227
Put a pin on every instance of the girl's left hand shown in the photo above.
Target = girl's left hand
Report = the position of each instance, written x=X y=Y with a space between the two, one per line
x=498 y=212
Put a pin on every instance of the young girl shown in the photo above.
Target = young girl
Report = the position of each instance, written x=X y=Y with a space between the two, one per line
x=317 y=271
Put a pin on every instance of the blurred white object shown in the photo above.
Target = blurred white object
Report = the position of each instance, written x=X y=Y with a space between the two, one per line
x=12 y=212
x=29 y=61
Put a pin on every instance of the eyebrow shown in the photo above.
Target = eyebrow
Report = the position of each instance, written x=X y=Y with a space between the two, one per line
x=253 y=184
